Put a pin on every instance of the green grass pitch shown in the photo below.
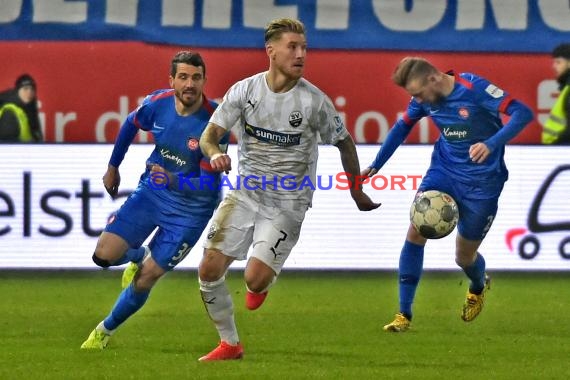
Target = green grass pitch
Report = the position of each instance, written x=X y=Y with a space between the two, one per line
x=314 y=325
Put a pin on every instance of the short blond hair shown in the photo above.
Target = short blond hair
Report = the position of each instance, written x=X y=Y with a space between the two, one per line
x=277 y=27
x=411 y=68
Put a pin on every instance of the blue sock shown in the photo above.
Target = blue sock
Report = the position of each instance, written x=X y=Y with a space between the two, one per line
x=411 y=265
x=134 y=254
x=128 y=303
x=476 y=273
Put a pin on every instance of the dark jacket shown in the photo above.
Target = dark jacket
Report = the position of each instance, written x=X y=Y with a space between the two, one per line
x=9 y=125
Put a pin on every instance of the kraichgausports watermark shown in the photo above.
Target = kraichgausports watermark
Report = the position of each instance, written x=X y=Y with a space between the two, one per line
x=338 y=181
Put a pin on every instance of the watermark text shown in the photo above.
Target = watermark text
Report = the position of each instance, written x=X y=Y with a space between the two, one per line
x=339 y=181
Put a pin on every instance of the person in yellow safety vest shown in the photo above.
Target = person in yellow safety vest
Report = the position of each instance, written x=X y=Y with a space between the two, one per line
x=556 y=129
x=19 y=119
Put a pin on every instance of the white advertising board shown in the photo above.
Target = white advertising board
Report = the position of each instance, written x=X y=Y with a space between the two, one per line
x=53 y=206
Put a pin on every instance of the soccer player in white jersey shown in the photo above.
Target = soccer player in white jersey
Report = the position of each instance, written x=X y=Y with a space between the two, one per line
x=278 y=118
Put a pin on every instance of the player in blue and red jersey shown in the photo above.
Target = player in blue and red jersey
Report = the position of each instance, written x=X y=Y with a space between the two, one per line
x=176 y=194
x=467 y=162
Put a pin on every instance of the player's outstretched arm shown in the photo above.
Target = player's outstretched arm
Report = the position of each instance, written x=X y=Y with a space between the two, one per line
x=368 y=172
x=394 y=139
x=210 y=146
x=349 y=159
x=112 y=180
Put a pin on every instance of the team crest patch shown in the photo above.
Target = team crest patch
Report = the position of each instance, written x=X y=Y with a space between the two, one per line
x=193 y=144
x=295 y=119
x=494 y=91
x=464 y=113
x=212 y=231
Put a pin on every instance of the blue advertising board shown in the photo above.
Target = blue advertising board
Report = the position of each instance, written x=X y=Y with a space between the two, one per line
x=533 y=26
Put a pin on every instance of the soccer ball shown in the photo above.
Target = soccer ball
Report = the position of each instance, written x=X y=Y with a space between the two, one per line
x=434 y=214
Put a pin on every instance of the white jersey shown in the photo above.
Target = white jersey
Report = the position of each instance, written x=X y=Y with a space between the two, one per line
x=278 y=134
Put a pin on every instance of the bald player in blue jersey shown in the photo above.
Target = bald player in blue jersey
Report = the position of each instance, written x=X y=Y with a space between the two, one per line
x=176 y=194
x=467 y=162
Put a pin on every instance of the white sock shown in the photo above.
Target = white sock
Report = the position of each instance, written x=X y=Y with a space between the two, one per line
x=220 y=307
x=101 y=327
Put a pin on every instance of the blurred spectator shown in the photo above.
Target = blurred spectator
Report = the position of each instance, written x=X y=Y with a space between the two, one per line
x=556 y=129
x=19 y=120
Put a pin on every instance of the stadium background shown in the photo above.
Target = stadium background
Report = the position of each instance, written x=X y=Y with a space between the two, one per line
x=94 y=61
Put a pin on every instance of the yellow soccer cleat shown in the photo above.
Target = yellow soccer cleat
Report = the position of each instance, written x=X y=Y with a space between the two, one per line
x=399 y=324
x=128 y=274
x=474 y=302
x=132 y=269
x=97 y=340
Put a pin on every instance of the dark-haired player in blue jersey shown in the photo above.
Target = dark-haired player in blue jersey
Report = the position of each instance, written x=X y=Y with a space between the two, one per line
x=467 y=163
x=170 y=196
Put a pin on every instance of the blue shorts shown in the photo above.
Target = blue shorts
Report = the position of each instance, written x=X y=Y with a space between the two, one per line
x=477 y=204
x=177 y=233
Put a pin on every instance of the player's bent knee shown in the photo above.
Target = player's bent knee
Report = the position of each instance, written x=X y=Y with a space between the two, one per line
x=209 y=274
x=213 y=265
x=258 y=275
x=101 y=262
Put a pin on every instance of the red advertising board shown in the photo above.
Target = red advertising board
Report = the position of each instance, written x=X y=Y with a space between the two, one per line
x=86 y=89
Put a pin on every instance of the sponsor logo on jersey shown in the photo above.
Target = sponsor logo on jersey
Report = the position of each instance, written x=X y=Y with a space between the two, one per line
x=463 y=113
x=273 y=137
x=454 y=133
x=112 y=218
x=193 y=144
x=173 y=157
x=338 y=124
x=494 y=91
x=156 y=126
x=295 y=119
x=252 y=103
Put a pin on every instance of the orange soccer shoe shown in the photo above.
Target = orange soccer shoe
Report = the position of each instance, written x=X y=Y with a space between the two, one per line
x=224 y=351
x=254 y=300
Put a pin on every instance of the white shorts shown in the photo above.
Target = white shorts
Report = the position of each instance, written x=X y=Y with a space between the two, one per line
x=240 y=222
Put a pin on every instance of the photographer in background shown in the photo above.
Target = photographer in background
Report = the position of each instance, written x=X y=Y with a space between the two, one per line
x=19 y=120
x=556 y=129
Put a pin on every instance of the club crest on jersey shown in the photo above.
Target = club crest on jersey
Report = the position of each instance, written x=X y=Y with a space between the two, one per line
x=212 y=231
x=463 y=113
x=193 y=143
x=295 y=119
